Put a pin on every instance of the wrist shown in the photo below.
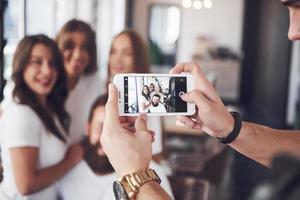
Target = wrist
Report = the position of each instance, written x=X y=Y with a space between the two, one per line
x=134 y=167
x=228 y=128
x=130 y=184
x=69 y=162
x=233 y=134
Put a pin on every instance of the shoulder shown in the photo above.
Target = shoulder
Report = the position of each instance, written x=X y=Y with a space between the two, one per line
x=91 y=79
x=17 y=112
x=22 y=126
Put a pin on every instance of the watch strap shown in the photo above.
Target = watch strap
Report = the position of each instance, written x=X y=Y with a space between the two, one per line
x=236 y=129
x=132 y=182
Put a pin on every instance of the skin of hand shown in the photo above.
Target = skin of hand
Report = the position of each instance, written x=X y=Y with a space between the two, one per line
x=211 y=115
x=128 y=149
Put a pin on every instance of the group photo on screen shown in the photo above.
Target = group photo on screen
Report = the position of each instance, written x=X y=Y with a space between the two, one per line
x=154 y=94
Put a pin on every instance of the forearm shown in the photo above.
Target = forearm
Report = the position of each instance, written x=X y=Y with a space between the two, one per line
x=262 y=143
x=152 y=191
x=43 y=178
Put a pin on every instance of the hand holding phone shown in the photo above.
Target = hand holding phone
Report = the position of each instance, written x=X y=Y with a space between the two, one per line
x=155 y=94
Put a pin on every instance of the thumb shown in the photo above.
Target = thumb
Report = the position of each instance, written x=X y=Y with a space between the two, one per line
x=141 y=123
x=111 y=108
x=195 y=97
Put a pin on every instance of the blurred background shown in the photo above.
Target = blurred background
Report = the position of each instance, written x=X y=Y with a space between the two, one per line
x=241 y=45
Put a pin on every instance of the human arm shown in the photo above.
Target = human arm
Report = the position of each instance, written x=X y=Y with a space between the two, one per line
x=262 y=143
x=29 y=178
x=129 y=151
x=257 y=142
x=146 y=104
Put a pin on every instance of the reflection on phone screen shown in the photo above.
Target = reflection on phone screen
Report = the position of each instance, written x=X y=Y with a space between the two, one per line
x=150 y=94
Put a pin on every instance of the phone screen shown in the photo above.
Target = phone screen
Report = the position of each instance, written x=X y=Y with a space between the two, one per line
x=154 y=94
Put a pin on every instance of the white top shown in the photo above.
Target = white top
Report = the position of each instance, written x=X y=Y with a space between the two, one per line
x=79 y=104
x=7 y=93
x=143 y=100
x=158 y=109
x=154 y=124
x=82 y=183
x=23 y=128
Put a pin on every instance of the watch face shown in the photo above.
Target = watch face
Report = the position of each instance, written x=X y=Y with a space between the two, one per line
x=119 y=191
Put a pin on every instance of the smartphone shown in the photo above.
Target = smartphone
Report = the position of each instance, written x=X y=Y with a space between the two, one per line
x=155 y=94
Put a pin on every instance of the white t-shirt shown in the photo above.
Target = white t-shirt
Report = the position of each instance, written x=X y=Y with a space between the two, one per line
x=23 y=128
x=82 y=183
x=79 y=103
x=154 y=124
x=143 y=101
x=158 y=109
x=7 y=93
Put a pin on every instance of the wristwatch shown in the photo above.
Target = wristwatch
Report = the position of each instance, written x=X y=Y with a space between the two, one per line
x=126 y=187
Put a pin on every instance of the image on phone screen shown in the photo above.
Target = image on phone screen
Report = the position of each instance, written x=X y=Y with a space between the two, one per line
x=150 y=94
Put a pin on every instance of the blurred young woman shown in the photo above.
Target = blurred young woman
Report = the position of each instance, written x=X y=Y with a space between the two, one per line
x=76 y=41
x=35 y=124
x=128 y=54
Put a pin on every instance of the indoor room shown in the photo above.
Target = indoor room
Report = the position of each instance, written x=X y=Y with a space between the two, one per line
x=58 y=60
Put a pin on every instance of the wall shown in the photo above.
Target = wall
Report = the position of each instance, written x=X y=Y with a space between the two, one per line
x=294 y=83
x=223 y=22
x=266 y=67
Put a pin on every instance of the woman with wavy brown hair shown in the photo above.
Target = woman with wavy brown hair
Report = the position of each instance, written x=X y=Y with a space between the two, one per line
x=128 y=54
x=77 y=43
x=35 y=124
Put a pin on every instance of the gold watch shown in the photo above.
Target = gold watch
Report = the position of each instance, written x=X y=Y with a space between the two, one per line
x=126 y=187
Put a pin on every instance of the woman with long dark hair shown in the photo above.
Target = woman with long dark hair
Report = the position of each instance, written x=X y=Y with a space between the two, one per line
x=145 y=100
x=77 y=42
x=34 y=140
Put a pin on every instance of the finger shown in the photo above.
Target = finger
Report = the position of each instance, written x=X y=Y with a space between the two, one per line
x=195 y=114
x=196 y=97
x=129 y=127
x=127 y=119
x=186 y=121
x=123 y=119
x=202 y=82
x=152 y=133
x=141 y=123
x=190 y=67
x=127 y=124
x=101 y=151
x=131 y=119
x=111 y=107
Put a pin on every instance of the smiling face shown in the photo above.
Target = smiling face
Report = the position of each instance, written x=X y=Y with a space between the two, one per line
x=155 y=100
x=121 y=59
x=40 y=74
x=145 y=90
x=75 y=54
